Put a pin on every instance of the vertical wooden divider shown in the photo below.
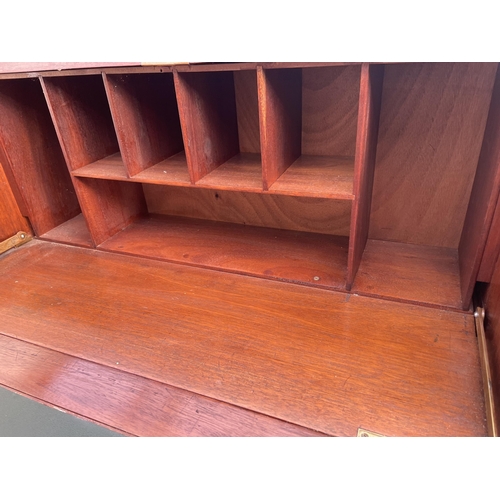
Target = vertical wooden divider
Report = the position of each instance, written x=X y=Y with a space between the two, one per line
x=31 y=156
x=280 y=112
x=145 y=116
x=483 y=200
x=370 y=97
x=207 y=109
x=85 y=136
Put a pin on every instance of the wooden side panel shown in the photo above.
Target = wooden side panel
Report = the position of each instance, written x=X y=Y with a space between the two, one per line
x=491 y=249
x=82 y=118
x=366 y=146
x=129 y=403
x=146 y=118
x=431 y=127
x=109 y=206
x=11 y=219
x=281 y=212
x=483 y=201
x=324 y=360
x=247 y=110
x=32 y=155
x=492 y=332
x=330 y=110
x=280 y=101
x=207 y=108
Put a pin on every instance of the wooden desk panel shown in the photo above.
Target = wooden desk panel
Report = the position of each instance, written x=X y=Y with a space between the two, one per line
x=323 y=360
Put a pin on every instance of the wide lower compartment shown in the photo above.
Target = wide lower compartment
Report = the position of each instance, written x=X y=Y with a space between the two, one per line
x=327 y=361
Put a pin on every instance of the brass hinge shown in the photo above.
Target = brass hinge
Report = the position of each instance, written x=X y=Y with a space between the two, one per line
x=367 y=434
x=14 y=241
x=489 y=402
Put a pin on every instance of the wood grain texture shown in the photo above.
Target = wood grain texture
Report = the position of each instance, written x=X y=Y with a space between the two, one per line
x=11 y=219
x=483 y=201
x=323 y=360
x=111 y=167
x=269 y=253
x=74 y=232
x=146 y=118
x=366 y=147
x=431 y=127
x=410 y=273
x=207 y=109
x=82 y=118
x=172 y=171
x=316 y=215
x=247 y=111
x=81 y=115
x=131 y=404
x=23 y=67
x=109 y=206
x=33 y=156
x=492 y=334
x=280 y=112
x=330 y=110
x=318 y=177
x=242 y=172
x=491 y=249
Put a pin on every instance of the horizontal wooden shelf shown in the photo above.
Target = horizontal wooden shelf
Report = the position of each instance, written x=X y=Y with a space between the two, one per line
x=243 y=172
x=318 y=176
x=410 y=273
x=171 y=171
x=310 y=176
x=110 y=168
x=270 y=253
x=74 y=232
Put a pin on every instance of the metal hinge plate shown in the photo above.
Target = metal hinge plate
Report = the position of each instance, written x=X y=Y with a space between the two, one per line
x=14 y=241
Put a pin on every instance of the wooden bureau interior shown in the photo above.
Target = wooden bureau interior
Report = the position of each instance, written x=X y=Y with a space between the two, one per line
x=356 y=199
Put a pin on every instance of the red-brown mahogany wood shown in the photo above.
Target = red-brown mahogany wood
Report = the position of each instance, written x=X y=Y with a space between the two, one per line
x=483 y=200
x=432 y=121
x=83 y=123
x=109 y=206
x=146 y=118
x=491 y=249
x=74 y=232
x=323 y=360
x=370 y=96
x=270 y=253
x=32 y=156
x=207 y=109
x=414 y=273
x=11 y=219
x=128 y=403
x=280 y=103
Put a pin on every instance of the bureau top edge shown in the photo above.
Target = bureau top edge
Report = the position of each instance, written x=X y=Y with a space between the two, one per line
x=34 y=70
